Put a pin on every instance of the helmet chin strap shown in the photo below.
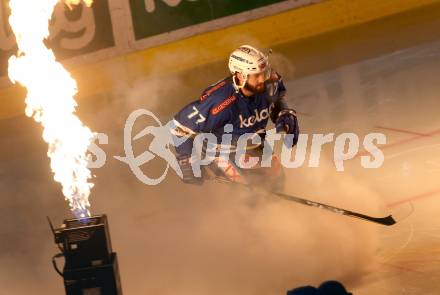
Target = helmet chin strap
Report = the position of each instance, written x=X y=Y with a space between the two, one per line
x=238 y=86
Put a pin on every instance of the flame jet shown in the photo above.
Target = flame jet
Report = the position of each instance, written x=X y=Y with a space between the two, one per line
x=50 y=99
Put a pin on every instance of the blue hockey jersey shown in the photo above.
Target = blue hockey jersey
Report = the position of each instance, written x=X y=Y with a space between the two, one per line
x=222 y=104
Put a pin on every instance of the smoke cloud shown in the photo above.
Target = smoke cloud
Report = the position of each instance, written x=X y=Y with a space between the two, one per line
x=179 y=239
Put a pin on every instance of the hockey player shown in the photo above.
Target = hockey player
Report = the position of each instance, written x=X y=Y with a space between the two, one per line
x=245 y=100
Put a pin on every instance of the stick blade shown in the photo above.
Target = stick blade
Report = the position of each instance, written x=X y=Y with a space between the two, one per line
x=388 y=221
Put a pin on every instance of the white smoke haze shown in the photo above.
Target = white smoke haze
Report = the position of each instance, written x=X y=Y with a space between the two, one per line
x=174 y=238
x=179 y=239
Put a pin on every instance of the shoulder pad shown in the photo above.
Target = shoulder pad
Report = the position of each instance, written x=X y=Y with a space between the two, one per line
x=216 y=88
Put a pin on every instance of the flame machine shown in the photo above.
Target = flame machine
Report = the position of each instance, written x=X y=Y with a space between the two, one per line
x=91 y=267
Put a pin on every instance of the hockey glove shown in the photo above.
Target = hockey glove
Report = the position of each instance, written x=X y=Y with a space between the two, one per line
x=288 y=123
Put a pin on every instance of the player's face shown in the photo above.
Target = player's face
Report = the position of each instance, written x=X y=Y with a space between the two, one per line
x=255 y=82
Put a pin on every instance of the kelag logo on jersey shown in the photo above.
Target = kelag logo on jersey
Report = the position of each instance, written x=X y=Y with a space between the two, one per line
x=259 y=116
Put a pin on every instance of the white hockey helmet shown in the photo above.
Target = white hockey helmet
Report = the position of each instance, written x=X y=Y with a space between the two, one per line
x=248 y=60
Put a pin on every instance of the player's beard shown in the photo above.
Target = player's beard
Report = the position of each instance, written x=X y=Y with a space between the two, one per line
x=260 y=88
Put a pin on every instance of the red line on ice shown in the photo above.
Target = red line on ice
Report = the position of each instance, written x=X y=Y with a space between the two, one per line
x=403 y=141
x=403 y=131
x=404 y=268
x=414 y=198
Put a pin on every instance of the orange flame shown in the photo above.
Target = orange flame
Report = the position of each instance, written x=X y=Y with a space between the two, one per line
x=50 y=99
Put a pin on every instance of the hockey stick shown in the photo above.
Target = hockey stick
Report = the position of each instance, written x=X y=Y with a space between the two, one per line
x=388 y=220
